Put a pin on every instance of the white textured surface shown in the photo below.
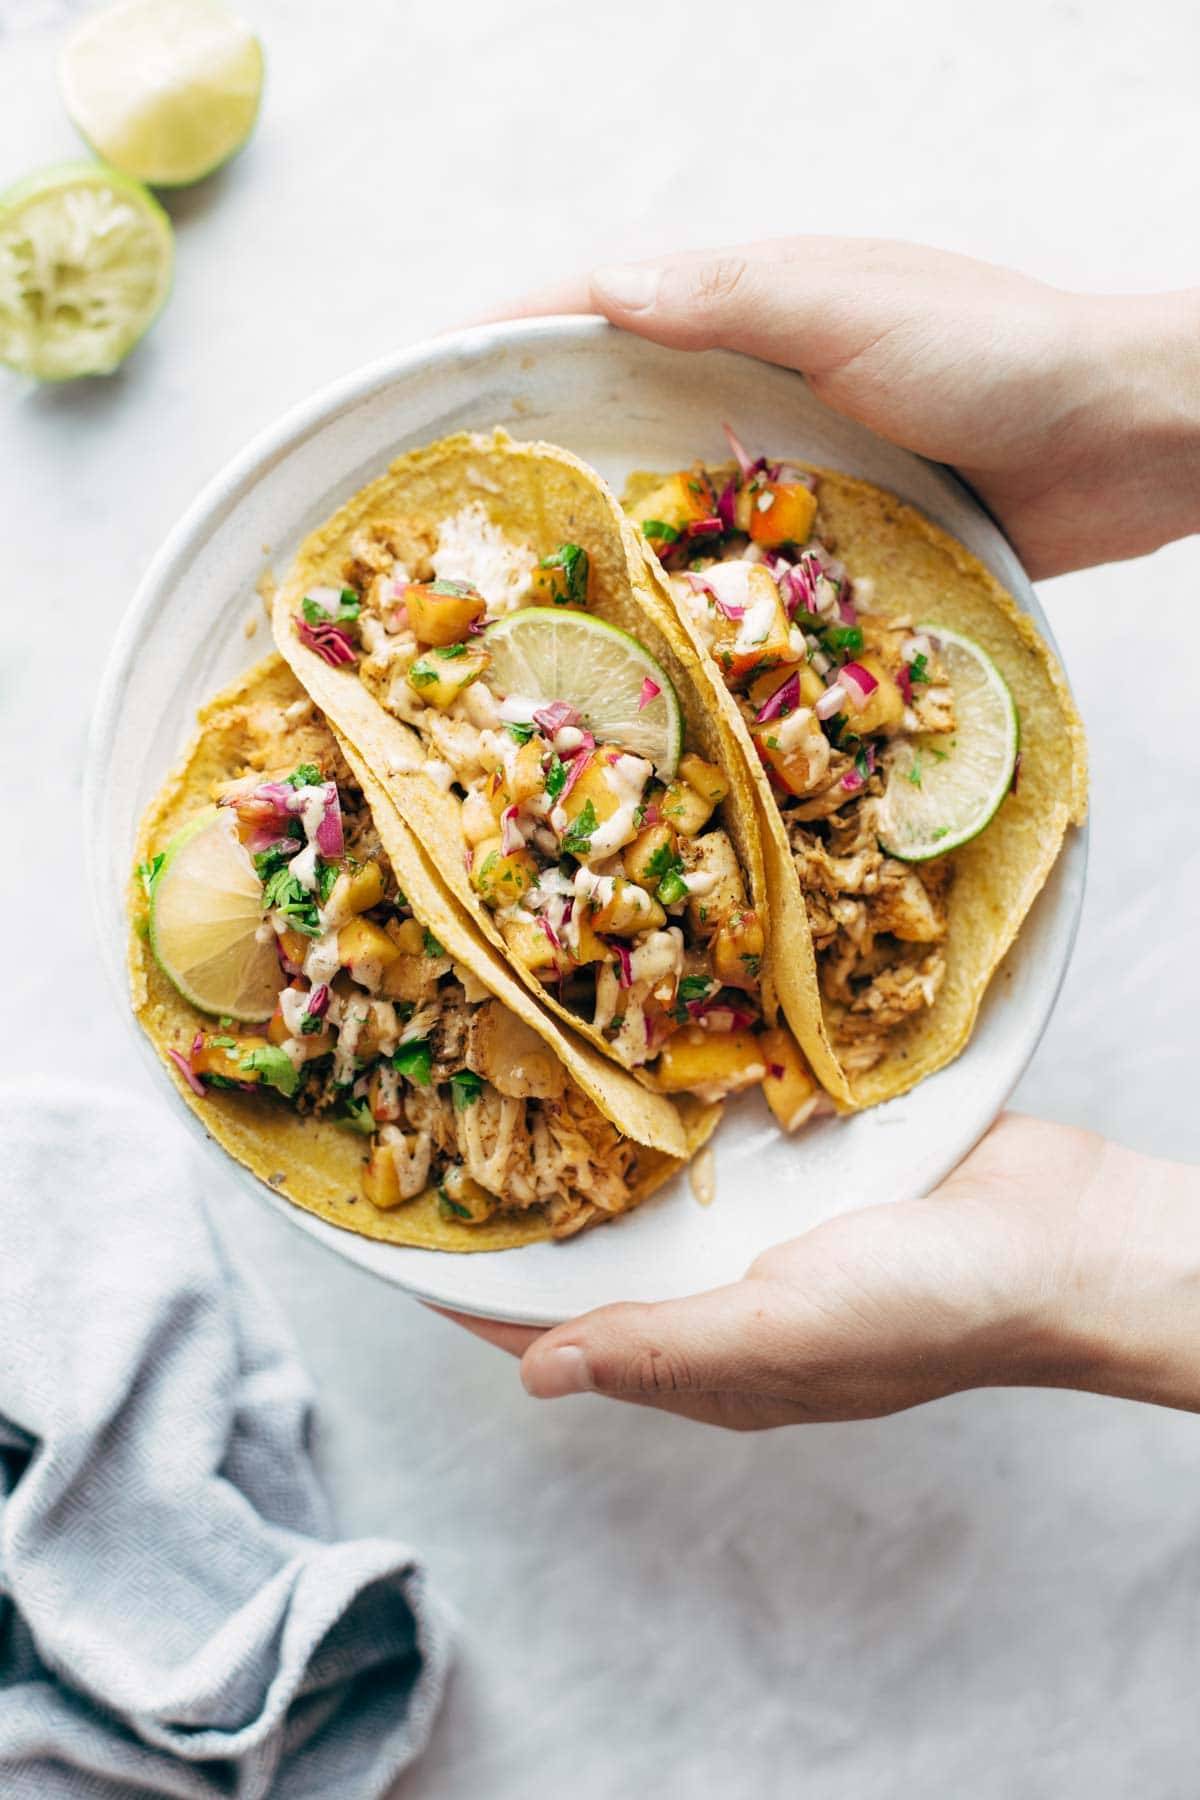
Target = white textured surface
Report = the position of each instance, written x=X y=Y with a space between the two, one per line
x=995 y=1595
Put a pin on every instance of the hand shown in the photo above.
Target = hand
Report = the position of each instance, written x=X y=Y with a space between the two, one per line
x=1075 y=418
x=1049 y=1258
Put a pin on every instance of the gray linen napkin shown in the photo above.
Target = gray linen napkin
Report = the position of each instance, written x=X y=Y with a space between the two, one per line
x=173 y=1617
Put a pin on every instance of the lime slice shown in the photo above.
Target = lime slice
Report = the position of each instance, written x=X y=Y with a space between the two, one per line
x=166 y=90
x=943 y=788
x=546 y=653
x=205 y=922
x=85 y=265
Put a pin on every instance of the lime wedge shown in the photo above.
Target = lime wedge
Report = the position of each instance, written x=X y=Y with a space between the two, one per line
x=205 y=922
x=165 y=90
x=85 y=265
x=545 y=653
x=943 y=788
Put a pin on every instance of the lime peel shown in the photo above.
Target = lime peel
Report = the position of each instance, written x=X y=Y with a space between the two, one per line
x=942 y=790
x=165 y=90
x=86 y=256
x=205 y=923
x=546 y=653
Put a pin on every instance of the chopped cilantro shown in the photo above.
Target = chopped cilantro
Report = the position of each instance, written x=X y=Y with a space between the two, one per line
x=225 y=1023
x=310 y=1024
x=842 y=637
x=938 y=755
x=520 y=733
x=753 y=963
x=488 y=864
x=222 y=1043
x=448 y=652
x=274 y=1067
x=327 y=874
x=573 y=561
x=694 y=987
x=661 y=862
x=772 y=743
x=149 y=872
x=466 y=1088
x=307 y=775
x=450 y=1208
x=356 y=1115
x=914 y=774
x=577 y=840
x=863 y=766
x=432 y=947
x=421 y=675
x=415 y=1061
x=918 y=668
x=656 y=528
x=283 y=893
x=556 y=775
x=269 y=862
x=673 y=887
x=349 y=607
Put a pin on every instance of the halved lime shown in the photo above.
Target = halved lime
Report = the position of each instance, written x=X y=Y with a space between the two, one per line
x=545 y=653
x=944 y=787
x=166 y=90
x=85 y=266
x=206 y=922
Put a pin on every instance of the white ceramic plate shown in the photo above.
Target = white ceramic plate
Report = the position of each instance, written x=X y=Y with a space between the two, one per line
x=621 y=403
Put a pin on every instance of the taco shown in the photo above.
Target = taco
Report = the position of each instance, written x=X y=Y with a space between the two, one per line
x=917 y=754
x=336 y=1024
x=480 y=624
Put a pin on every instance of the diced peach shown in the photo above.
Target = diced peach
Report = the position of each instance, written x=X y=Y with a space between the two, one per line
x=355 y=891
x=761 y=638
x=381 y=1178
x=465 y=1199
x=583 y=940
x=295 y=945
x=709 y=1064
x=690 y=800
x=630 y=909
x=512 y=787
x=365 y=949
x=794 y=749
x=737 y=951
x=787 y=515
x=564 y=578
x=407 y=935
x=884 y=710
x=763 y=686
x=532 y=948
x=500 y=879
x=788 y=1086
x=682 y=497
x=442 y=612
x=440 y=676
x=649 y=856
x=594 y=787
x=411 y=977
x=224 y=1059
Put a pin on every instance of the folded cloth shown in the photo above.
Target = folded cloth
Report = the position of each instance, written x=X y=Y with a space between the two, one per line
x=173 y=1617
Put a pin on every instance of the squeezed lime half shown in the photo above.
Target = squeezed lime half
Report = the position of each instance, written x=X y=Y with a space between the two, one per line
x=207 y=923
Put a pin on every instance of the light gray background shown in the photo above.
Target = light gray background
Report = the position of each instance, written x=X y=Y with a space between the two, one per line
x=996 y=1595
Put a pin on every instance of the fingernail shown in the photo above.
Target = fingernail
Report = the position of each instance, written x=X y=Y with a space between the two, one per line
x=631 y=288
x=557 y=1372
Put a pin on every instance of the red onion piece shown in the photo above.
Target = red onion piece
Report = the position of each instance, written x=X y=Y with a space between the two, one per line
x=650 y=691
x=189 y=1074
x=709 y=527
x=831 y=701
x=510 y=835
x=904 y=683
x=784 y=700
x=748 y=464
x=858 y=682
x=330 y=839
x=775 y=1071
x=625 y=961
x=318 y=1002
x=330 y=642
x=550 y=932
x=575 y=768
x=652 y=816
x=847 y=613
x=552 y=718
x=726 y=502
x=852 y=781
